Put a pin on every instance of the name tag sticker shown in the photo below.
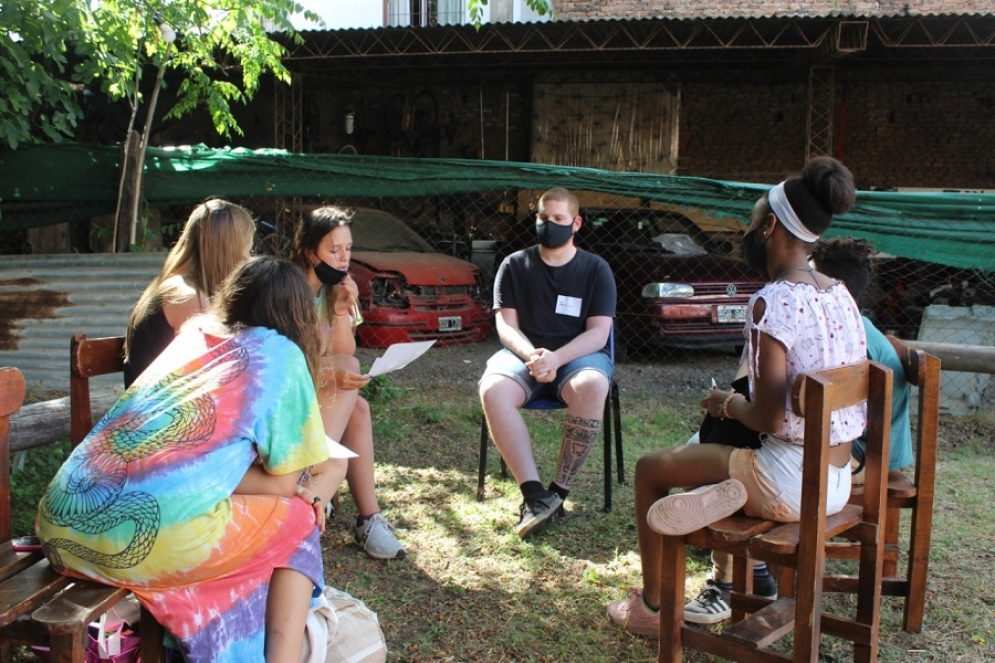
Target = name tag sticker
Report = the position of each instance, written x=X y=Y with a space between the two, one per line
x=568 y=306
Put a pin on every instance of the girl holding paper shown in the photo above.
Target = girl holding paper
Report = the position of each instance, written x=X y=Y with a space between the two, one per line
x=322 y=248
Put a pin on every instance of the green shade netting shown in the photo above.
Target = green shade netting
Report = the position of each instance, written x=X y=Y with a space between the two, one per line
x=48 y=184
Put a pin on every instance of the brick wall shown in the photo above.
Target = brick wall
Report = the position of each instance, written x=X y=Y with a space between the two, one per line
x=585 y=10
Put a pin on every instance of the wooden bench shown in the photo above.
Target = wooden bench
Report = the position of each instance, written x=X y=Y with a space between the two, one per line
x=39 y=606
x=28 y=583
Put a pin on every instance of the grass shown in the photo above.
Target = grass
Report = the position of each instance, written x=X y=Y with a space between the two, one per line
x=470 y=590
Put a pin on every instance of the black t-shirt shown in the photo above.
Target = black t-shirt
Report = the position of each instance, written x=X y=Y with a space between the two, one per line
x=148 y=340
x=554 y=303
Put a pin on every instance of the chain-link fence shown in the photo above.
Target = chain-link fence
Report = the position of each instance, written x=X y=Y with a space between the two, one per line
x=425 y=266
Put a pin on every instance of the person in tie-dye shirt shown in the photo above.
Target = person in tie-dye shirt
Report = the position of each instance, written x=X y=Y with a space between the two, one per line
x=202 y=489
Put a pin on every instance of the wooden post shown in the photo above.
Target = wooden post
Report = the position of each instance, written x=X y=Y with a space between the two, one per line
x=956 y=357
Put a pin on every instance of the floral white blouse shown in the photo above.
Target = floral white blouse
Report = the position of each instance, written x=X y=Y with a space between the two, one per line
x=819 y=329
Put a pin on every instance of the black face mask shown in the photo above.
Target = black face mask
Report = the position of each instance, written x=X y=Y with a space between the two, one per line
x=328 y=275
x=754 y=252
x=553 y=235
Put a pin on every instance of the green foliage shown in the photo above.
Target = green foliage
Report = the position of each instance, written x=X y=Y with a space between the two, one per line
x=379 y=390
x=32 y=470
x=221 y=52
x=38 y=99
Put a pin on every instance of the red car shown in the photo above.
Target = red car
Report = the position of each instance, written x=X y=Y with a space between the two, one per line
x=410 y=292
x=677 y=287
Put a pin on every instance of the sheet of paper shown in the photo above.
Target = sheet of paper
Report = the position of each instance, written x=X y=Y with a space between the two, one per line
x=398 y=356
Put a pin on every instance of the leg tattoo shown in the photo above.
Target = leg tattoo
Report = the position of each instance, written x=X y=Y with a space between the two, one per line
x=578 y=438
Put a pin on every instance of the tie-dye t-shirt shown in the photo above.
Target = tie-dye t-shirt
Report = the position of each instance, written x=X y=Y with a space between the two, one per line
x=146 y=501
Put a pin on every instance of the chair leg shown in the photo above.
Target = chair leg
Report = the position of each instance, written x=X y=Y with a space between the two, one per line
x=482 y=471
x=918 y=567
x=607 y=464
x=67 y=647
x=892 y=520
x=672 y=570
x=152 y=648
x=617 y=417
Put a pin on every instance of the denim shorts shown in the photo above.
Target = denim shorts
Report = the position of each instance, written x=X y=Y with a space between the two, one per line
x=505 y=362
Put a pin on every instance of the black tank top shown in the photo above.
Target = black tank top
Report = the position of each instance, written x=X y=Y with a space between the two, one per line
x=149 y=339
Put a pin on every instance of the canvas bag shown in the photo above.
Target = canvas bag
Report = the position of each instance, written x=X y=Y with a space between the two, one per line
x=342 y=629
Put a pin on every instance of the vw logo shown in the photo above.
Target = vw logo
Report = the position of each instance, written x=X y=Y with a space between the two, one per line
x=731 y=290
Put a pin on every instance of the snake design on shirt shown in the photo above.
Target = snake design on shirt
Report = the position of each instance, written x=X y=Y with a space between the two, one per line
x=176 y=413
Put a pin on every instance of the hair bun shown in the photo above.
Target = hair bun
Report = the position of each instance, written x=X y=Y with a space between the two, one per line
x=831 y=183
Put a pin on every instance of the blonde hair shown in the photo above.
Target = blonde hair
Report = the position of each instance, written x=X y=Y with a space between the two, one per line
x=211 y=246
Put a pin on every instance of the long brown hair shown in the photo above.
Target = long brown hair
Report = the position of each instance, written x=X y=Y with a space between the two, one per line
x=211 y=246
x=307 y=237
x=271 y=292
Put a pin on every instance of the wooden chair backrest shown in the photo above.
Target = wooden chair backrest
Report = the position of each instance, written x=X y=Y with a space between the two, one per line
x=89 y=358
x=11 y=398
x=815 y=396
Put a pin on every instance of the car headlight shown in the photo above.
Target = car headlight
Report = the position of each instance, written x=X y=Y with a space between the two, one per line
x=667 y=290
x=388 y=291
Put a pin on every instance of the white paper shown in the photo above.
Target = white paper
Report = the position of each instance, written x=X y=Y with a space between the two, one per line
x=398 y=356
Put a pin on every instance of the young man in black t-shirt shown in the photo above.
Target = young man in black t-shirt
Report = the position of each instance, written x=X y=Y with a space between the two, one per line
x=554 y=305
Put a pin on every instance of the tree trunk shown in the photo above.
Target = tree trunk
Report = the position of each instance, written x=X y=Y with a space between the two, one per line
x=128 y=192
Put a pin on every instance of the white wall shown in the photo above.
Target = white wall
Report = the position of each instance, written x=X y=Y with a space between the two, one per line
x=340 y=14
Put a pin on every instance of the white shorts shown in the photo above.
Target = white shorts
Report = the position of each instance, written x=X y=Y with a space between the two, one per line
x=773 y=479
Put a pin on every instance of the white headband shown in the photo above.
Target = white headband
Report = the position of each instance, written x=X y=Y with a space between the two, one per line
x=786 y=215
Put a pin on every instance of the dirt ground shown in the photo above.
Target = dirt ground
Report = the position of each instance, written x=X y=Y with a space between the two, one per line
x=676 y=373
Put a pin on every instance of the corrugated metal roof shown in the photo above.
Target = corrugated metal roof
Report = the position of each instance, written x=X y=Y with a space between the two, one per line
x=700 y=13
x=45 y=299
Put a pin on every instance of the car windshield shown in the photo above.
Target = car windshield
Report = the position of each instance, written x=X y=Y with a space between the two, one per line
x=375 y=230
x=633 y=231
x=679 y=243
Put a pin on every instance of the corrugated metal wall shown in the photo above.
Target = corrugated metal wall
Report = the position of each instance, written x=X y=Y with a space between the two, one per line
x=45 y=299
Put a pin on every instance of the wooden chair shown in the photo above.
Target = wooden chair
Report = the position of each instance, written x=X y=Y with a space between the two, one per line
x=611 y=425
x=797 y=546
x=915 y=495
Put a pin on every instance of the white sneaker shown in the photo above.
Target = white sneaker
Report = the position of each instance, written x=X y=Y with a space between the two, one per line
x=376 y=537
x=676 y=515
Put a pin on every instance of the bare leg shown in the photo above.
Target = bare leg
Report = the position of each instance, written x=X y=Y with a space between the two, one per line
x=286 y=612
x=358 y=437
x=326 y=477
x=584 y=395
x=337 y=404
x=659 y=472
x=501 y=399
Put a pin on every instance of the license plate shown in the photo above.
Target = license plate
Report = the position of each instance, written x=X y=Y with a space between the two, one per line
x=454 y=323
x=728 y=314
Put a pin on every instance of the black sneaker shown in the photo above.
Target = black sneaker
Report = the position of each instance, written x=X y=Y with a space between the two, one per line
x=536 y=512
x=765 y=586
